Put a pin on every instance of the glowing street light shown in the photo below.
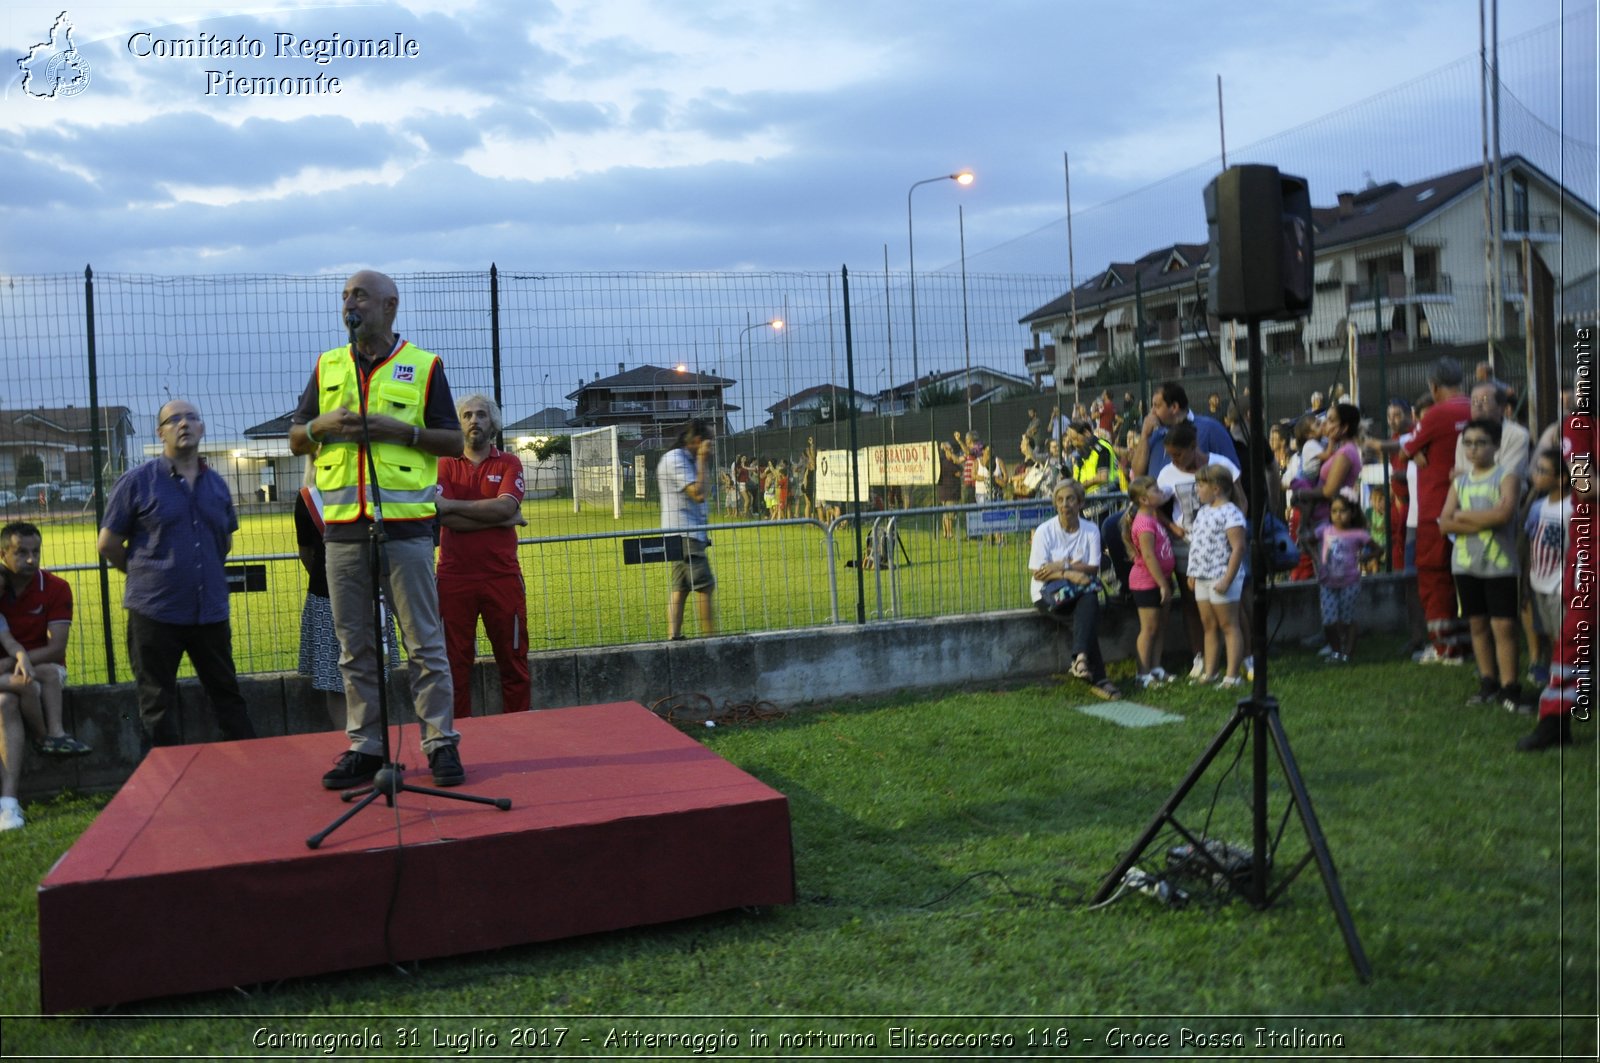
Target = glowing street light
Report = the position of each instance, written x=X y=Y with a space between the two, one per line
x=776 y=325
x=963 y=178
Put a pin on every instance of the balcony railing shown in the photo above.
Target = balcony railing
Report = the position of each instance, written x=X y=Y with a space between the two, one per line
x=660 y=408
x=1039 y=359
x=1397 y=287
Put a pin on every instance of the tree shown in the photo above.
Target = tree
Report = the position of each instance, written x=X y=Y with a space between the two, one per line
x=30 y=470
x=835 y=408
x=941 y=395
x=1119 y=367
x=544 y=446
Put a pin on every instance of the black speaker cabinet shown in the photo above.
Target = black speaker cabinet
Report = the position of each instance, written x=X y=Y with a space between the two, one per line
x=1262 y=244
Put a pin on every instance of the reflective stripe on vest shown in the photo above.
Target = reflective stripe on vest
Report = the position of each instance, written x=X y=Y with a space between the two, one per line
x=407 y=476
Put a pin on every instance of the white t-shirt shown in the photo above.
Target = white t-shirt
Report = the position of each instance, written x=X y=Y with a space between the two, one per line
x=1180 y=485
x=1209 y=549
x=1547 y=533
x=1411 y=485
x=1052 y=542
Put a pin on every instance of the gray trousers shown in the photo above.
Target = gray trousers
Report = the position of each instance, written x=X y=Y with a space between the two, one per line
x=412 y=595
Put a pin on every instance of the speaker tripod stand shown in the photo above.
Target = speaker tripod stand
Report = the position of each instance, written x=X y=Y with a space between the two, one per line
x=1259 y=713
x=389 y=782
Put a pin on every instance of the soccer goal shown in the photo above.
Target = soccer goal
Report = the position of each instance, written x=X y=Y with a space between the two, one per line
x=597 y=470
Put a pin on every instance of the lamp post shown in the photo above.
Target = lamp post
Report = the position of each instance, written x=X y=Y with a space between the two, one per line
x=776 y=325
x=963 y=178
x=660 y=405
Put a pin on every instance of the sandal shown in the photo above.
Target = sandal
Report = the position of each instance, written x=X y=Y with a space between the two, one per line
x=61 y=746
x=1106 y=689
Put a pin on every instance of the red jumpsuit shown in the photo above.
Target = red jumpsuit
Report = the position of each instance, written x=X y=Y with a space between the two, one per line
x=479 y=576
x=1435 y=440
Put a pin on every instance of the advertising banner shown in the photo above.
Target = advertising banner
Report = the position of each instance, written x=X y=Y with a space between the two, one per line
x=897 y=465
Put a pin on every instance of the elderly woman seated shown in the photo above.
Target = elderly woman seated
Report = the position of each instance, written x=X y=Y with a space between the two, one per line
x=1065 y=563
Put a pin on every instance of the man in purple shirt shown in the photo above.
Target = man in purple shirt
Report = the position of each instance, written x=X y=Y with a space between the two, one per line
x=169 y=524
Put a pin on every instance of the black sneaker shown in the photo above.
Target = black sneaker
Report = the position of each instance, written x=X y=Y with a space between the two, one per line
x=1488 y=692
x=1549 y=731
x=353 y=769
x=445 y=763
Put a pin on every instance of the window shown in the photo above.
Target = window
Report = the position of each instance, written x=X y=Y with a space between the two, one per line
x=1519 y=203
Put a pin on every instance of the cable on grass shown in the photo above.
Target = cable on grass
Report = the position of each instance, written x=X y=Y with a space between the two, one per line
x=1028 y=900
x=694 y=709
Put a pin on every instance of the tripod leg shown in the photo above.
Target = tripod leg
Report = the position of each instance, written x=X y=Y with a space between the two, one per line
x=502 y=803
x=1319 y=846
x=316 y=839
x=1112 y=880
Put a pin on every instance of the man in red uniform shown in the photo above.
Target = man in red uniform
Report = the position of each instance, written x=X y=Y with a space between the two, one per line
x=37 y=606
x=480 y=509
x=1433 y=450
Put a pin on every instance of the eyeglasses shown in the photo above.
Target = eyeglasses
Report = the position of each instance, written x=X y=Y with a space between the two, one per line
x=179 y=418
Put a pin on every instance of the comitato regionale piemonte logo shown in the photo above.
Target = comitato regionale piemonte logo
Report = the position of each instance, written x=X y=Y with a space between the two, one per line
x=55 y=67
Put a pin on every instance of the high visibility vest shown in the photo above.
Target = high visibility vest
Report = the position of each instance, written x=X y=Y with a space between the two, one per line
x=407 y=476
x=1489 y=553
x=1101 y=451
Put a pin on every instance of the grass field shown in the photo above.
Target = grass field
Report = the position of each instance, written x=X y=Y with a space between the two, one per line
x=579 y=591
x=945 y=848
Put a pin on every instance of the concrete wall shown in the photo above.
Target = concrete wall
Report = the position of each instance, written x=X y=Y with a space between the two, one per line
x=787 y=668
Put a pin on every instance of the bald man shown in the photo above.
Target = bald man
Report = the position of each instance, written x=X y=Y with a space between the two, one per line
x=169 y=525
x=411 y=423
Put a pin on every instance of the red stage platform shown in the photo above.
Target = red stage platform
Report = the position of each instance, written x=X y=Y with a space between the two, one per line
x=197 y=875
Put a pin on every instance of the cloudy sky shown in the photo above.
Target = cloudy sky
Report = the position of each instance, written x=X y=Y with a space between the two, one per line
x=705 y=135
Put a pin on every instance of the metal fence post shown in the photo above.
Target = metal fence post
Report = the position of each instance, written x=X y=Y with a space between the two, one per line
x=494 y=343
x=855 y=450
x=99 y=488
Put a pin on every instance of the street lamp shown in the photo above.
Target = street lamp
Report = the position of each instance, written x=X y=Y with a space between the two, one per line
x=776 y=325
x=662 y=405
x=963 y=178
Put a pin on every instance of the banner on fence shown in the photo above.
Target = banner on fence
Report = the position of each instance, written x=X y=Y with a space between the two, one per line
x=992 y=521
x=896 y=465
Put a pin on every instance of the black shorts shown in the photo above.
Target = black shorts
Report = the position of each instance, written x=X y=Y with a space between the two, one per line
x=1150 y=599
x=1494 y=597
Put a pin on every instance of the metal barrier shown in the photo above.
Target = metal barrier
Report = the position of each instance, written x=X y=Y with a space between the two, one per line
x=922 y=562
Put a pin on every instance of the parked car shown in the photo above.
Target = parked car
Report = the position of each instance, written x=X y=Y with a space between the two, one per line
x=77 y=492
x=9 y=500
x=33 y=493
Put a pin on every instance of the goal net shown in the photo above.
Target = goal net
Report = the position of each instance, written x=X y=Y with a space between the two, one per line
x=597 y=470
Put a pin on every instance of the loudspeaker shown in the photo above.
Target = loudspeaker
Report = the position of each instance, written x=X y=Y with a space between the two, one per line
x=1262 y=244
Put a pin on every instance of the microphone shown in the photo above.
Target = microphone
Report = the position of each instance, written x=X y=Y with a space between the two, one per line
x=352 y=320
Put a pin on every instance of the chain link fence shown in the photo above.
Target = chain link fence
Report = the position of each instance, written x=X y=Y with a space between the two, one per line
x=562 y=351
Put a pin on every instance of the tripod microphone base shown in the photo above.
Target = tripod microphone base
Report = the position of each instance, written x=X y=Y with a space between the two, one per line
x=388 y=784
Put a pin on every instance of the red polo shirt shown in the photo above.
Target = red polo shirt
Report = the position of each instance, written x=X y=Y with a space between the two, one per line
x=46 y=600
x=492 y=551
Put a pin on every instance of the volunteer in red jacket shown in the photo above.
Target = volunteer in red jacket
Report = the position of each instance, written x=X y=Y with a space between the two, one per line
x=480 y=509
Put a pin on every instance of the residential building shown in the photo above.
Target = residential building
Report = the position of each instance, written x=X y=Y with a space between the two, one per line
x=56 y=445
x=1404 y=260
x=648 y=403
x=552 y=420
x=820 y=402
x=976 y=386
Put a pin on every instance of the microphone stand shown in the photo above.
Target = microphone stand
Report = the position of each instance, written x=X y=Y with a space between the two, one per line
x=390 y=780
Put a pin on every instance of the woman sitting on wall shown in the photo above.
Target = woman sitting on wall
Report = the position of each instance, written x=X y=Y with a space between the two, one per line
x=1065 y=563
